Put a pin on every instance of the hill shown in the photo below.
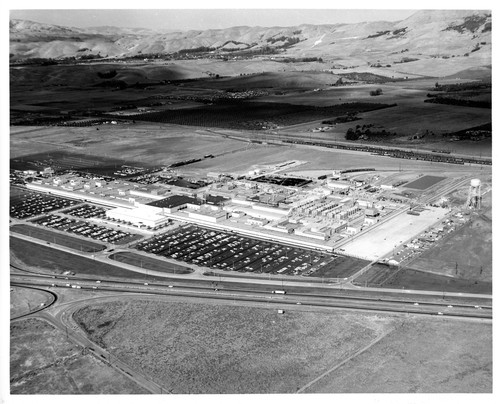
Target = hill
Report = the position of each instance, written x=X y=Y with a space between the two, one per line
x=443 y=32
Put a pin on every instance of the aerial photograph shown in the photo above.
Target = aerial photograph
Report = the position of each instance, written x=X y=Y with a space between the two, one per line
x=249 y=202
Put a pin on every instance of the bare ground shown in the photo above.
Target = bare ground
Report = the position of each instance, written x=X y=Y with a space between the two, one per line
x=420 y=356
x=194 y=348
x=42 y=361
x=210 y=348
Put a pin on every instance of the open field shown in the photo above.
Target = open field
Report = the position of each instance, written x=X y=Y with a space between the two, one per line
x=24 y=300
x=57 y=262
x=57 y=238
x=318 y=158
x=340 y=267
x=43 y=361
x=149 y=263
x=419 y=356
x=256 y=350
x=406 y=278
x=136 y=144
x=249 y=350
x=466 y=254
x=166 y=144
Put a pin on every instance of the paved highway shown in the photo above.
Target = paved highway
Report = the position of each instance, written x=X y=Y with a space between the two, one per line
x=307 y=299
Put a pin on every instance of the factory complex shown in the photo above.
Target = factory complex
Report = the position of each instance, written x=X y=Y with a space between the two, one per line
x=362 y=211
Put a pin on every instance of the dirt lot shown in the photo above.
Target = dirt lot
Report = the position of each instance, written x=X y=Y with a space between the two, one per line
x=24 y=300
x=42 y=361
x=200 y=348
x=420 y=356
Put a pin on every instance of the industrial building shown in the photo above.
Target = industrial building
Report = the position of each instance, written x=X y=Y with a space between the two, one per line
x=148 y=216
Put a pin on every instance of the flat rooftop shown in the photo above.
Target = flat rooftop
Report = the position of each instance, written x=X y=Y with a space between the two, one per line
x=174 y=201
x=424 y=182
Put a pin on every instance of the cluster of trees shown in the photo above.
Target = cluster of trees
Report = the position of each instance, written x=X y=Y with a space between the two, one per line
x=464 y=102
x=295 y=60
x=349 y=117
x=379 y=33
x=376 y=92
x=288 y=41
x=119 y=84
x=364 y=132
x=107 y=75
x=461 y=86
x=406 y=60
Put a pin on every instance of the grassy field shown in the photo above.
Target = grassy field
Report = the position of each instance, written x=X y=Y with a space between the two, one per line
x=256 y=350
x=57 y=238
x=407 y=278
x=149 y=263
x=24 y=300
x=341 y=267
x=43 y=361
x=57 y=261
x=137 y=144
x=200 y=348
x=420 y=356
x=467 y=254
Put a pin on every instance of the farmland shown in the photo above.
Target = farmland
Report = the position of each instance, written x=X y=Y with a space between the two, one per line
x=43 y=361
x=254 y=115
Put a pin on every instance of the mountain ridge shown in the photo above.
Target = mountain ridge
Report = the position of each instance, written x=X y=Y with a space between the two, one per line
x=424 y=34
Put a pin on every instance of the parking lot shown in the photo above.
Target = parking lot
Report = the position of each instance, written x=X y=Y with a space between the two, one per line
x=27 y=204
x=232 y=252
x=86 y=211
x=81 y=228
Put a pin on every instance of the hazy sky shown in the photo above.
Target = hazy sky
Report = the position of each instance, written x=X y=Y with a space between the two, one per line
x=204 y=19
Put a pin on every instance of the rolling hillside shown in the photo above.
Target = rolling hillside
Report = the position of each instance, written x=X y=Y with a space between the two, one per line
x=429 y=43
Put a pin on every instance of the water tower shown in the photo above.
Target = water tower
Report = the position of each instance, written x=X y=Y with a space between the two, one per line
x=474 y=198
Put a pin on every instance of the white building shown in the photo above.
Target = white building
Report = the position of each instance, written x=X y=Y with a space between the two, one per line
x=140 y=216
x=338 y=185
